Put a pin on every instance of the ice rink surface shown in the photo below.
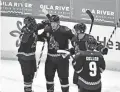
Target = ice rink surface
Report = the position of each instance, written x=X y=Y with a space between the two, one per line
x=11 y=79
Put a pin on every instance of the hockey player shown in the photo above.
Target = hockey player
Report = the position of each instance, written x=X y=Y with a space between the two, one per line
x=89 y=65
x=79 y=43
x=26 y=51
x=57 y=37
x=81 y=38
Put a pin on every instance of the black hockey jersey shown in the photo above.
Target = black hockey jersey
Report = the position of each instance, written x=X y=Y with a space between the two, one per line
x=57 y=39
x=88 y=65
x=27 y=49
x=80 y=44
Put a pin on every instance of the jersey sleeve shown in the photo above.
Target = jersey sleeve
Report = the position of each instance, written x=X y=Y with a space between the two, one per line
x=45 y=34
x=42 y=37
x=73 y=41
x=69 y=32
x=78 y=63
x=102 y=64
x=40 y=26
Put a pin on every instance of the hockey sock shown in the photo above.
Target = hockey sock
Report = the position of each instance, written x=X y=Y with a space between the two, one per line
x=64 y=84
x=50 y=84
x=28 y=80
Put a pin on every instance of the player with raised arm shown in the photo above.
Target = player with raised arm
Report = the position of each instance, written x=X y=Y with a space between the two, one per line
x=57 y=37
x=26 y=50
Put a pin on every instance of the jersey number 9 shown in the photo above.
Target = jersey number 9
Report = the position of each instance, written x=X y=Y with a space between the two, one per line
x=93 y=69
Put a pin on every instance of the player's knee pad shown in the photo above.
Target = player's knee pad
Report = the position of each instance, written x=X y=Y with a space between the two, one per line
x=28 y=78
x=49 y=78
x=64 y=81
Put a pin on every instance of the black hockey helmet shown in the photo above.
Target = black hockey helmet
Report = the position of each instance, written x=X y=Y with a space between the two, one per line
x=80 y=27
x=91 y=43
x=55 y=18
x=29 y=20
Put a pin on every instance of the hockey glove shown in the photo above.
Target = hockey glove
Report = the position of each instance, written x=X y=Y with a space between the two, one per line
x=46 y=22
x=104 y=51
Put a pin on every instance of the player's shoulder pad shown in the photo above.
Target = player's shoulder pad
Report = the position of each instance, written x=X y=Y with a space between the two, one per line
x=94 y=53
x=81 y=53
x=90 y=36
x=74 y=39
x=97 y=53
x=65 y=28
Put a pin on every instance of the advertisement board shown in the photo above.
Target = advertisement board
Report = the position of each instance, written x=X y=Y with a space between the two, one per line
x=17 y=8
x=119 y=9
x=106 y=12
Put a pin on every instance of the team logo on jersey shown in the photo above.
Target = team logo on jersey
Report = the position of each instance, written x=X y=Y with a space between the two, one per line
x=53 y=44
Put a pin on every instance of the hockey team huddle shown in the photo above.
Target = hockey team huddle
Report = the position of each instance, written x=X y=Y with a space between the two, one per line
x=87 y=54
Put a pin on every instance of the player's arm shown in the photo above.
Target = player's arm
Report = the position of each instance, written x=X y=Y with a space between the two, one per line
x=102 y=64
x=78 y=64
x=102 y=48
x=70 y=35
x=41 y=37
x=40 y=26
x=45 y=34
x=44 y=22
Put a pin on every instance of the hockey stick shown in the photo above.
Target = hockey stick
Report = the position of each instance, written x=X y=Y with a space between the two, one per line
x=40 y=58
x=92 y=19
x=115 y=27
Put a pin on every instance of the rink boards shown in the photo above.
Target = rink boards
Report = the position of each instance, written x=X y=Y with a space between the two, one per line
x=101 y=33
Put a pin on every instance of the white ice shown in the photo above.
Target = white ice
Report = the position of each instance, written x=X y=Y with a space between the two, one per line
x=11 y=79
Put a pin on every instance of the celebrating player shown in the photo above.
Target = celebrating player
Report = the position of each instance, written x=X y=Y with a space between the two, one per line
x=57 y=37
x=89 y=65
x=26 y=51
x=79 y=43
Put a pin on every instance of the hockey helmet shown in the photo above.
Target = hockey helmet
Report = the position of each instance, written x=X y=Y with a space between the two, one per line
x=55 y=18
x=80 y=27
x=55 y=22
x=30 y=22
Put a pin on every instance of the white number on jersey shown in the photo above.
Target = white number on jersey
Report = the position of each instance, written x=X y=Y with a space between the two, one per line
x=93 y=69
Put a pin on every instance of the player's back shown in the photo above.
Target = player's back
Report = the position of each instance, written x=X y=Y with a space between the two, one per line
x=88 y=66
